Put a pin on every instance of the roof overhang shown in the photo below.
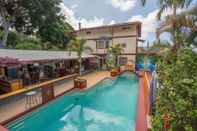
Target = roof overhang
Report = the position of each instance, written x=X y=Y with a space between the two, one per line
x=11 y=57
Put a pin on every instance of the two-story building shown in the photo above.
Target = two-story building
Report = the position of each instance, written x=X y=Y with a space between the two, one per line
x=102 y=37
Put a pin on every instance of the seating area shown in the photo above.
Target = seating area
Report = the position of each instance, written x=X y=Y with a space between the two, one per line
x=25 y=68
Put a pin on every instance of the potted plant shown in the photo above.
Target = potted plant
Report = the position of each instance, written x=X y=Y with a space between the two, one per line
x=114 y=51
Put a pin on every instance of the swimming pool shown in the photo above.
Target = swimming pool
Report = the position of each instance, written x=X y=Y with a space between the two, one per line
x=108 y=106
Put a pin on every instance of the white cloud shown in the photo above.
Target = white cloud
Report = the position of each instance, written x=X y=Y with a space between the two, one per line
x=150 y=22
x=74 y=21
x=123 y=5
x=74 y=6
x=112 y=22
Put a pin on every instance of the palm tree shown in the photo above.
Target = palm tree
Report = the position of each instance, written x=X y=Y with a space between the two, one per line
x=174 y=5
x=143 y=2
x=185 y=19
x=78 y=45
x=115 y=50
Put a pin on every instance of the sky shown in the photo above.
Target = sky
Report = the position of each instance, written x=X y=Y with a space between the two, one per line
x=104 y=12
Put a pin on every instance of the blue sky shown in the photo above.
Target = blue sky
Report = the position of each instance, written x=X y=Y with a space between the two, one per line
x=101 y=12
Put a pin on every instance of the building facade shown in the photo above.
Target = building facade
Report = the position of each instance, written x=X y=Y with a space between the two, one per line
x=102 y=37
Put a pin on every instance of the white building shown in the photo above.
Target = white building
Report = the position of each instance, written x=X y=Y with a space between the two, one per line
x=100 y=38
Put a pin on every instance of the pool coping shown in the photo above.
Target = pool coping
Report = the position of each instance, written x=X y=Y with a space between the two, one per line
x=3 y=128
x=142 y=105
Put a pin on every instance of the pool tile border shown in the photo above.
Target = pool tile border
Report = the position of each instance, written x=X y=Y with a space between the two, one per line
x=3 y=128
x=142 y=104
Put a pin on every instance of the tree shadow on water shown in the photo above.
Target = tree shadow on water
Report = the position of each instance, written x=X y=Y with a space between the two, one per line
x=81 y=123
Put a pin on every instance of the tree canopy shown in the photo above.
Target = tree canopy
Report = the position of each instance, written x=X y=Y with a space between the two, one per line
x=114 y=51
x=42 y=18
x=177 y=93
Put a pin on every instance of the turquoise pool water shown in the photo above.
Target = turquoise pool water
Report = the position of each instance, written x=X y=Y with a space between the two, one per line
x=109 y=106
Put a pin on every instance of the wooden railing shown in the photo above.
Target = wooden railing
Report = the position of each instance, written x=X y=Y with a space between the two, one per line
x=32 y=87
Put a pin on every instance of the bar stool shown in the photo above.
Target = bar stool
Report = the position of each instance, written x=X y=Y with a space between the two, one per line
x=31 y=99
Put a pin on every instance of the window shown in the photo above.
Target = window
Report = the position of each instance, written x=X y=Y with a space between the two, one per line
x=102 y=44
x=122 y=61
x=126 y=28
x=123 y=45
x=88 y=32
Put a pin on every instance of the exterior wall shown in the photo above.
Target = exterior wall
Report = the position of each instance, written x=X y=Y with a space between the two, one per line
x=126 y=35
x=130 y=43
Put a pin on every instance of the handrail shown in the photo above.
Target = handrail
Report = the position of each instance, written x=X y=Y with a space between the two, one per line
x=32 y=87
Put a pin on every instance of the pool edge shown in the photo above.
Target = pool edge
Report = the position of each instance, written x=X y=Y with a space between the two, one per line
x=23 y=114
x=3 y=128
x=142 y=103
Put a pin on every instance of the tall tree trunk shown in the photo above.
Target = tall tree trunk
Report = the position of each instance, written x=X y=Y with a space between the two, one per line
x=116 y=61
x=5 y=36
x=69 y=52
x=174 y=29
x=5 y=26
x=80 y=60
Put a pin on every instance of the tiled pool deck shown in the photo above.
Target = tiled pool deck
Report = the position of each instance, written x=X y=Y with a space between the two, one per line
x=15 y=107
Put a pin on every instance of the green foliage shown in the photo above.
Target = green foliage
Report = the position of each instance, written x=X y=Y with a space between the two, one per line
x=1 y=33
x=190 y=40
x=173 y=4
x=159 y=45
x=57 y=34
x=115 y=50
x=13 y=39
x=111 y=63
x=41 y=18
x=27 y=15
x=78 y=45
x=177 y=93
x=29 y=44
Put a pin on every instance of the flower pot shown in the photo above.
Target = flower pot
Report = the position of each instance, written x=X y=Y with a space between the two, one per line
x=80 y=83
x=114 y=72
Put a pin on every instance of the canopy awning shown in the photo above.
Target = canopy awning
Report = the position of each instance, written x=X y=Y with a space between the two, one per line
x=11 y=56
